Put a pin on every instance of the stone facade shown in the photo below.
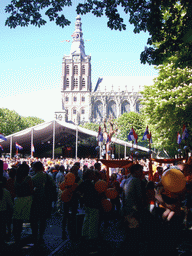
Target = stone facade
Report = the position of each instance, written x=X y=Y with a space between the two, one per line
x=82 y=104
x=113 y=103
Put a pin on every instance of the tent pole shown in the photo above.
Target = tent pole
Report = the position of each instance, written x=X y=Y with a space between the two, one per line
x=76 y=148
x=53 y=153
x=11 y=145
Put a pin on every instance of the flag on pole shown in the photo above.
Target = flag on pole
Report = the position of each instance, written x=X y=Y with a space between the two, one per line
x=2 y=137
x=108 y=138
x=18 y=146
x=146 y=135
x=100 y=135
x=132 y=135
x=178 y=138
x=1 y=147
x=150 y=137
x=185 y=133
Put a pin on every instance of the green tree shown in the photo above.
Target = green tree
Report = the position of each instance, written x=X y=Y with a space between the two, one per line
x=168 y=22
x=91 y=126
x=11 y=121
x=31 y=121
x=167 y=105
x=128 y=120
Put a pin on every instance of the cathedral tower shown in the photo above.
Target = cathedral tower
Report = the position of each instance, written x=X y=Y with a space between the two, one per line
x=76 y=80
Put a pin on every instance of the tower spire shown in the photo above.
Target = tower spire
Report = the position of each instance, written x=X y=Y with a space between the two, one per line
x=77 y=47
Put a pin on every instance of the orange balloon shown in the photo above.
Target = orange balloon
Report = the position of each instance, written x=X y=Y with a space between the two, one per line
x=66 y=195
x=111 y=193
x=69 y=179
x=62 y=185
x=101 y=186
x=173 y=180
x=107 y=205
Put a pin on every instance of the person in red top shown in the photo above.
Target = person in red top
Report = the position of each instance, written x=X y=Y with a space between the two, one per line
x=157 y=175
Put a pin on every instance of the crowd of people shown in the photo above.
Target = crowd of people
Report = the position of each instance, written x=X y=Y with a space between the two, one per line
x=128 y=197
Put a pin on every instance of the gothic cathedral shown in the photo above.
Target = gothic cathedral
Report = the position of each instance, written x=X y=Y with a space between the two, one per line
x=82 y=104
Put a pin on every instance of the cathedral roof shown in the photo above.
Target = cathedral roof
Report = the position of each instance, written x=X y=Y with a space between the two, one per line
x=122 y=83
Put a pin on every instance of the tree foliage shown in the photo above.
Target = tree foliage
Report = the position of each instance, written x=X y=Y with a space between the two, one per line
x=91 y=126
x=167 y=105
x=11 y=121
x=124 y=123
x=128 y=120
x=31 y=121
x=168 y=22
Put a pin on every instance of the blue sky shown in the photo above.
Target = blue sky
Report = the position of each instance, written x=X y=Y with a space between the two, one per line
x=31 y=59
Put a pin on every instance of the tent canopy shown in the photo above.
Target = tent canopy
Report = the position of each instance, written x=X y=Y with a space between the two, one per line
x=53 y=133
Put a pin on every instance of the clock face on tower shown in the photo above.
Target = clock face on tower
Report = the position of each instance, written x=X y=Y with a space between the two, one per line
x=76 y=58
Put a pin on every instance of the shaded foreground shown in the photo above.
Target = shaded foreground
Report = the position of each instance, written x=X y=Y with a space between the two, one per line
x=110 y=241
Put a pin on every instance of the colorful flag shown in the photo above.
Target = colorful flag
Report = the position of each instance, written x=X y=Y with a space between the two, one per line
x=100 y=135
x=178 y=138
x=150 y=137
x=2 y=137
x=108 y=138
x=185 y=133
x=18 y=146
x=132 y=135
x=146 y=135
x=1 y=147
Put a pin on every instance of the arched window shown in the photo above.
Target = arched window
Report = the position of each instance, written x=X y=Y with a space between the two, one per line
x=67 y=82
x=67 y=69
x=75 y=70
x=98 y=110
x=125 y=107
x=83 y=70
x=83 y=82
x=112 y=110
x=75 y=82
x=83 y=99
x=67 y=99
x=74 y=111
x=75 y=99
x=82 y=111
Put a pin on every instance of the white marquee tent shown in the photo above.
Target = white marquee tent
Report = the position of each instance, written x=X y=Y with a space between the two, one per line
x=53 y=133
